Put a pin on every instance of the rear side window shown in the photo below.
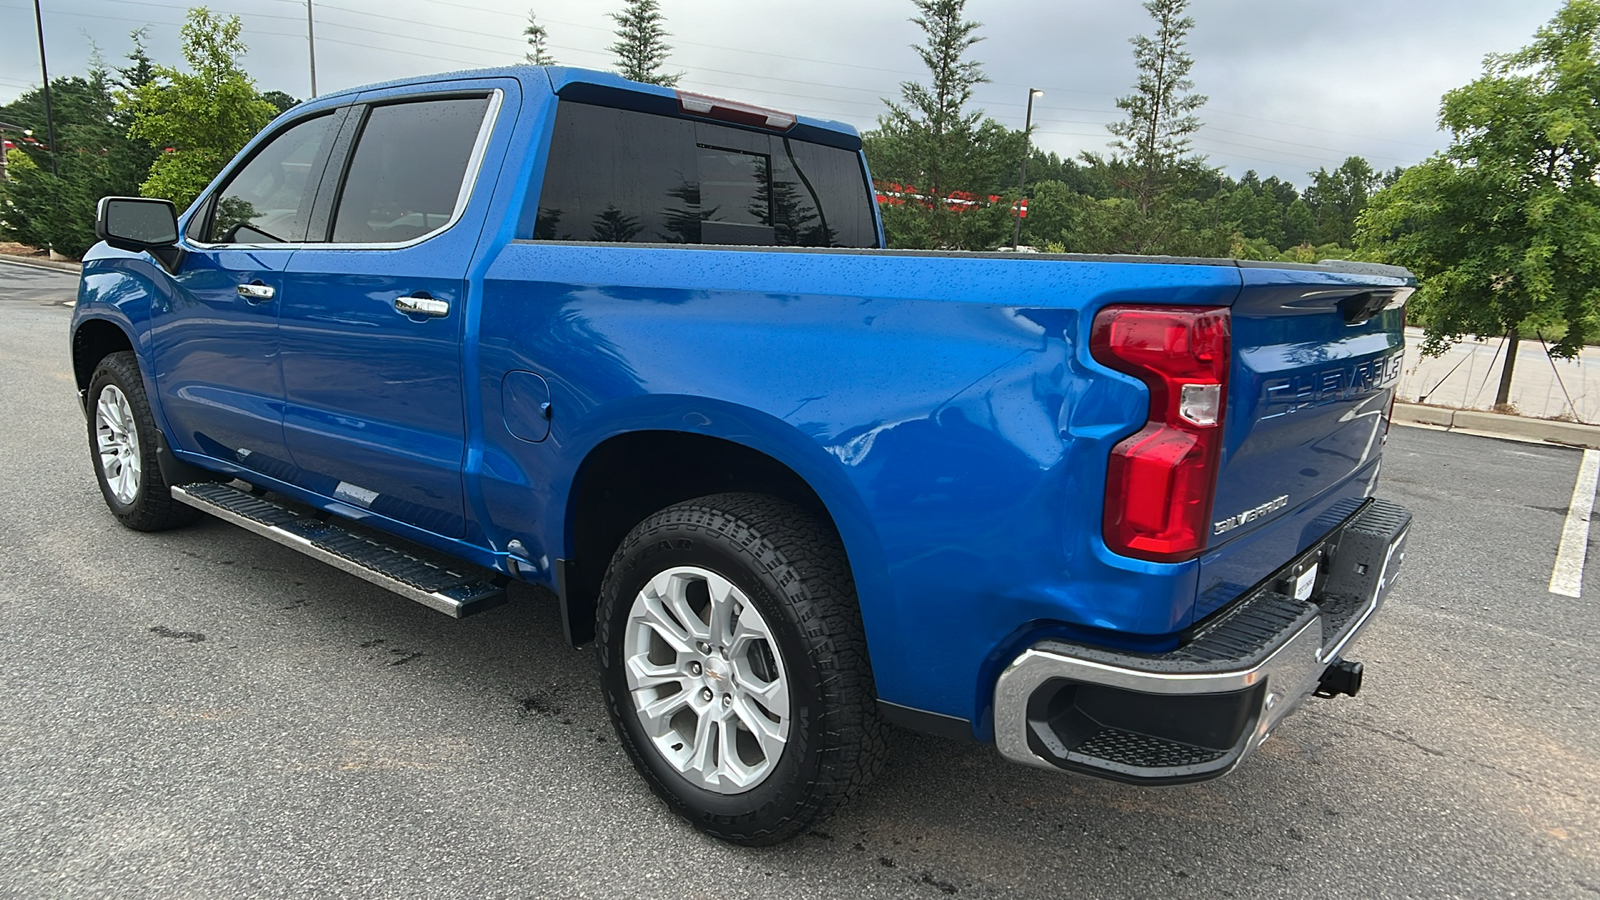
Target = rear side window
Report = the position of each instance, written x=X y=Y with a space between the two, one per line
x=268 y=200
x=617 y=175
x=406 y=175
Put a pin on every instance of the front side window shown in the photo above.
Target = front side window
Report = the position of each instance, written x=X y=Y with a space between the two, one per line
x=619 y=175
x=407 y=172
x=268 y=200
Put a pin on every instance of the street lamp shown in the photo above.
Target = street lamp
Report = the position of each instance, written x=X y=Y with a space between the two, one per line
x=1022 y=180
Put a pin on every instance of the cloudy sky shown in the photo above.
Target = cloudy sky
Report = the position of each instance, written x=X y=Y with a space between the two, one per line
x=1293 y=84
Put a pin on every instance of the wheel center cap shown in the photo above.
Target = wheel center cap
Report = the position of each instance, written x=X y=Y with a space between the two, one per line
x=717 y=672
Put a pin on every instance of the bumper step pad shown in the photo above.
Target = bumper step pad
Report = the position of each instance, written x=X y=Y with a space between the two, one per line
x=1133 y=752
x=451 y=587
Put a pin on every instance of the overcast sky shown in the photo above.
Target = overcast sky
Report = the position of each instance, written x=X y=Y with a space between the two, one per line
x=1293 y=84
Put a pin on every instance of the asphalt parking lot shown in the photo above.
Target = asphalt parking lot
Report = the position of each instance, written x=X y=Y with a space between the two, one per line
x=203 y=713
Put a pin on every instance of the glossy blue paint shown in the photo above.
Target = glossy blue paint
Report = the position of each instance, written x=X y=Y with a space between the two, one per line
x=1307 y=397
x=944 y=407
x=967 y=488
x=525 y=406
x=216 y=353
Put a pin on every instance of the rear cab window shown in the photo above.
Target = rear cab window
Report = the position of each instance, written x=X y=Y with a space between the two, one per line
x=407 y=176
x=623 y=176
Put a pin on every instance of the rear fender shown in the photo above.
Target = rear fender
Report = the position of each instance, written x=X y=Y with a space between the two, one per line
x=754 y=430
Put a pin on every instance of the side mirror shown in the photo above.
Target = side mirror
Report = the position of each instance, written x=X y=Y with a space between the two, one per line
x=140 y=224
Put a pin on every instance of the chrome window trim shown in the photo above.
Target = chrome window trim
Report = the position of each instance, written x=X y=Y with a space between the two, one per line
x=469 y=183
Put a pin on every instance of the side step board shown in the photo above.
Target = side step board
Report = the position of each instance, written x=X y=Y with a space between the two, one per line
x=454 y=588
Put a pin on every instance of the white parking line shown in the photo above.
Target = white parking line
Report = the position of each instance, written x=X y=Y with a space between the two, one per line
x=1566 y=578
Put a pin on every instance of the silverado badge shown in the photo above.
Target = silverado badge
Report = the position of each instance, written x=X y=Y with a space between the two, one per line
x=1249 y=515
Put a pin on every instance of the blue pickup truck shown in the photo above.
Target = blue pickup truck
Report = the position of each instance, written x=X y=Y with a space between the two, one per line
x=645 y=348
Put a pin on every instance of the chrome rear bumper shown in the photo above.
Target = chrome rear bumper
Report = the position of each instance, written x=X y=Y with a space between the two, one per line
x=1195 y=713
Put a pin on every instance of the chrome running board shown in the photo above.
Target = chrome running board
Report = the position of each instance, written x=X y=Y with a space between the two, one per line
x=453 y=588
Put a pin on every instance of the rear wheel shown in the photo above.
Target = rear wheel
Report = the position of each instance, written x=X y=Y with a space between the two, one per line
x=735 y=668
x=122 y=443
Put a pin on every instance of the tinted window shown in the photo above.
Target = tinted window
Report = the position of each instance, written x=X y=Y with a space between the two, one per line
x=407 y=171
x=621 y=175
x=268 y=200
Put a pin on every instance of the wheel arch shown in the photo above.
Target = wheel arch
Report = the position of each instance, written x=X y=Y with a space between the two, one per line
x=612 y=492
x=93 y=340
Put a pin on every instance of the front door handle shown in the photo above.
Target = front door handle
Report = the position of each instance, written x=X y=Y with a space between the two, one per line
x=256 y=292
x=420 y=304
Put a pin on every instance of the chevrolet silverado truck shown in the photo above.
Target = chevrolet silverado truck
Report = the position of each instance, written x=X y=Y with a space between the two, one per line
x=646 y=348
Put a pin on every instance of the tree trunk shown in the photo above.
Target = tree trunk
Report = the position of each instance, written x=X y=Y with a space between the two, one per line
x=1503 y=396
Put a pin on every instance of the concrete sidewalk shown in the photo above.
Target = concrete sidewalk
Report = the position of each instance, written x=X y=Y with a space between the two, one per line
x=55 y=265
x=1518 y=428
x=1467 y=376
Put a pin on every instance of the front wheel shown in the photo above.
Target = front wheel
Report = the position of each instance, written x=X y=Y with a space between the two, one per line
x=734 y=666
x=122 y=443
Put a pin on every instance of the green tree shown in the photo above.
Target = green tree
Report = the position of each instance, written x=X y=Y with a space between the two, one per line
x=1074 y=174
x=204 y=115
x=1337 y=198
x=1253 y=209
x=933 y=144
x=1503 y=227
x=1155 y=136
x=641 y=46
x=1173 y=226
x=28 y=201
x=538 y=43
x=1298 y=224
x=280 y=101
x=1052 y=210
x=94 y=154
x=1166 y=199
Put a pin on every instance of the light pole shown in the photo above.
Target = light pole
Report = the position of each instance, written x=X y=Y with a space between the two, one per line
x=44 y=70
x=1022 y=180
x=311 y=47
x=50 y=128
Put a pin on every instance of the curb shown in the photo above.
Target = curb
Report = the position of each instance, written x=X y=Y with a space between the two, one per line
x=1471 y=421
x=48 y=265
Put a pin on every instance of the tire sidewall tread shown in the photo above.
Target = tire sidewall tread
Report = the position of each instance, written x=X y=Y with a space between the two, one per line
x=796 y=573
x=153 y=508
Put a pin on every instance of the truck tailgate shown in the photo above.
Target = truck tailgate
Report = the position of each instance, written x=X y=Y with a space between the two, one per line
x=1317 y=354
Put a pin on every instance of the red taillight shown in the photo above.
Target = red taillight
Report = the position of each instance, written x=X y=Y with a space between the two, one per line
x=1160 y=481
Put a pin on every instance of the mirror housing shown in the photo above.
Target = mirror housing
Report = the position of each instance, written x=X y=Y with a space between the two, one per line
x=140 y=224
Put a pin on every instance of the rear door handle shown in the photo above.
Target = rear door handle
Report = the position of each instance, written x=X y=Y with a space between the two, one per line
x=256 y=292
x=420 y=304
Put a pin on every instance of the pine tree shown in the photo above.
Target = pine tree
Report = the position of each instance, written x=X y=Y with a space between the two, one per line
x=933 y=117
x=931 y=142
x=641 y=46
x=538 y=49
x=1161 y=111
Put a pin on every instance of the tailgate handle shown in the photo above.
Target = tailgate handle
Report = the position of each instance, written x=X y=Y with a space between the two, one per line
x=1358 y=308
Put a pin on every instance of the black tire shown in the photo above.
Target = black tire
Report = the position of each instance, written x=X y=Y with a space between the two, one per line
x=151 y=508
x=793 y=570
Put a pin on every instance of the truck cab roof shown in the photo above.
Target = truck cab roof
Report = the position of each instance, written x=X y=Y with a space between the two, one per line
x=590 y=85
